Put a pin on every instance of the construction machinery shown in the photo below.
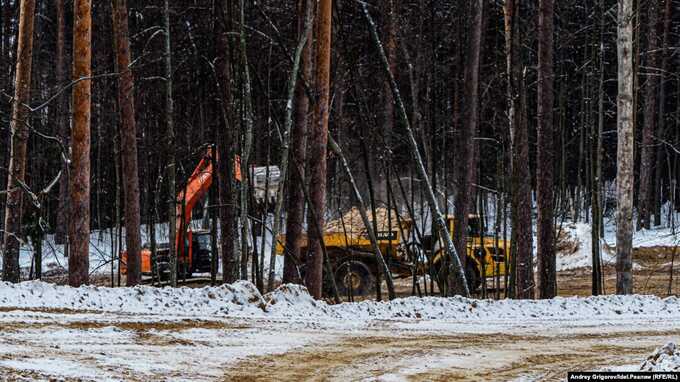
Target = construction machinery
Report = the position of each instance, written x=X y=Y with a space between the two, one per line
x=194 y=249
x=406 y=251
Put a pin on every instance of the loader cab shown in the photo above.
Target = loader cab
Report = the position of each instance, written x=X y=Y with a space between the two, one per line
x=474 y=226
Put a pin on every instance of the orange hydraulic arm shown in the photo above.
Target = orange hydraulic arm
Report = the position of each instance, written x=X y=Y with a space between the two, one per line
x=197 y=186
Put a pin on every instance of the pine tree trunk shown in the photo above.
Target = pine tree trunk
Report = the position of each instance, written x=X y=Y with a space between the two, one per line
x=79 y=182
x=521 y=189
x=128 y=128
x=318 y=141
x=645 y=195
x=170 y=146
x=466 y=168
x=390 y=14
x=19 y=133
x=661 y=119
x=296 y=92
x=624 y=152
x=596 y=196
x=226 y=146
x=296 y=197
x=547 y=279
x=62 y=122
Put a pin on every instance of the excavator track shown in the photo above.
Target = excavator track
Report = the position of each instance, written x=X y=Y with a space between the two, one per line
x=192 y=282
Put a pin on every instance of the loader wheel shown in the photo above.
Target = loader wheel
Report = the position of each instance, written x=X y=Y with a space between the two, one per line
x=356 y=277
x=472 y=276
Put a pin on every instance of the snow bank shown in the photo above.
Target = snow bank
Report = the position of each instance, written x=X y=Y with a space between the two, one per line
x=459 y=308
x=665 y=358
x=582 y=257
x=242 y=299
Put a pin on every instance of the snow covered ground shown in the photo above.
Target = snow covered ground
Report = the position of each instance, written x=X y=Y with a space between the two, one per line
x=104 y=243
x=232 y=332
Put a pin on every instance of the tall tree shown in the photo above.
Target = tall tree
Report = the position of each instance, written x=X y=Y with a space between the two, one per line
x=128 y=140
x=247 y=141
x=624 y=152
x=79 y=182
x=521 y=189
x=466 y=148
x=226 y=141
x=645 y=196
x=318 y=141
x=390 y=32
x=295 y=195
x=19 y=126
x=596 y=171
x=63 y=126
x=170 y=144
x=547 y=278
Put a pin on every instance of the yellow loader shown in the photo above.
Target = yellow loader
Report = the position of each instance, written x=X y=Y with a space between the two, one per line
x=355 y=265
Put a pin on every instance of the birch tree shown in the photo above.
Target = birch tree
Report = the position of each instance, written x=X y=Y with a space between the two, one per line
x=624 y=152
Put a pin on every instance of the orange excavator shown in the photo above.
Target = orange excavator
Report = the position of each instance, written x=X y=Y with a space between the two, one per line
x=195 y=253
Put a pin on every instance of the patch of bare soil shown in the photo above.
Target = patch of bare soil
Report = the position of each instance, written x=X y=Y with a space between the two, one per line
x=652 y=275
x=447 y=357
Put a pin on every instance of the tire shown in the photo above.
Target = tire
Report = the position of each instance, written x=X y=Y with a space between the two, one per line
x=472 y=275
x=354 y=276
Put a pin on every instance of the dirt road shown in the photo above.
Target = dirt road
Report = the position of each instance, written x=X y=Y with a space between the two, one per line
x=445 y=357
x=88 y=346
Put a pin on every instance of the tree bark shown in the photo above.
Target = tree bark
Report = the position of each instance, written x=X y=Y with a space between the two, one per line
x=521 y=188
x=547 y=279
x=303 y=44
x=62 y=122
x=624 y=152
x=79 y=182
x=466 y=171
x=226 y=146
x=645 y=195
x=170 y=146
x=19 y=127
x=596 y=197
x=318 y=142
x=295 y=208
x=390 y=13
x=126 y=104
x=246 y=146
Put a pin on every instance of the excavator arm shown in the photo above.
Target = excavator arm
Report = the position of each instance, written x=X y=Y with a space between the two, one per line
x=196 y=187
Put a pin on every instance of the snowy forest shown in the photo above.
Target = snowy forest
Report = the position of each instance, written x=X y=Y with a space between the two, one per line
x=398 y=168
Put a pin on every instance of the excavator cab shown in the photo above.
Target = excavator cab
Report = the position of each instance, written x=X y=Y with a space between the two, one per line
x=201 y=250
